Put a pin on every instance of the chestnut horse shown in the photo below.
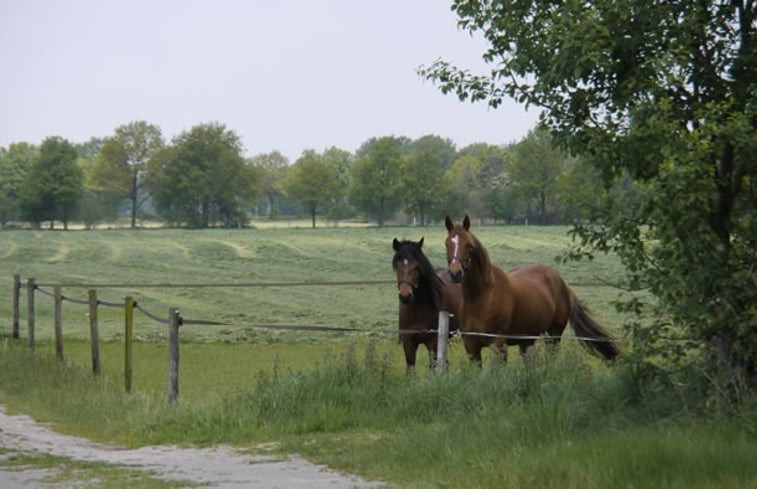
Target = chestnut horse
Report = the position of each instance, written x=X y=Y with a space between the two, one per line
x=528 y=301
x=423 y=292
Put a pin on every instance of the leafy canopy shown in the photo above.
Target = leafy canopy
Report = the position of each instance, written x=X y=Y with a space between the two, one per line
x=660 y=94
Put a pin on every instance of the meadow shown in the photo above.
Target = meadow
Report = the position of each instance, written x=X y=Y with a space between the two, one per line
x=342 y=398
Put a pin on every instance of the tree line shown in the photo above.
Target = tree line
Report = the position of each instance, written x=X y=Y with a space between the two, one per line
x=201 y=179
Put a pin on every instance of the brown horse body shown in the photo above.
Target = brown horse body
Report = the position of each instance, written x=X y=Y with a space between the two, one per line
x=423 y=292
x=513 y=308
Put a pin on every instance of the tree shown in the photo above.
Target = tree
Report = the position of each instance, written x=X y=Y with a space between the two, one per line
x=663 y=93
x=535 y=169
x=123 y=159
x=441 y=148
x=202 y=177
x=493 y=195
x=54 y=184
x=312 y=181
x=374 y=186
x=273 y=170
x=15 y=163
x=342 y=160
x=422 y=183
x=463 y=183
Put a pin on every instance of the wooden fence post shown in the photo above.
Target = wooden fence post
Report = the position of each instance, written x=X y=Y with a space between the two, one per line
x=128 y=330
x=93 y=331
x=173 y=354
x=16 y=293
x=58 y=323
x=441 y=341
x=30 y=286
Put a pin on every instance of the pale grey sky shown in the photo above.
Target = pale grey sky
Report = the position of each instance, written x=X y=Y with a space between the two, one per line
x=285 y=75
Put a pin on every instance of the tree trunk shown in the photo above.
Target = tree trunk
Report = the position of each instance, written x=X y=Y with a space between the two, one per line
x=312 y=215
x=133 y=196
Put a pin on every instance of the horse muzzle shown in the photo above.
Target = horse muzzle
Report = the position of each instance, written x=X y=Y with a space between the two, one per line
x=405 y=291
x=455 y=275
x=456 y=267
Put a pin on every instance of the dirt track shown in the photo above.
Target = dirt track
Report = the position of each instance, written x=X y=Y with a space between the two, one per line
x=217 y=467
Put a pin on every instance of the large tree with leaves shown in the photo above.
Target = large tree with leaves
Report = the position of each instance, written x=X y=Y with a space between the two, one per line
x=54 y=183
x=202 y=178
x=122 y=161
x=15 y=163
x=374 y=186
x=535 y=169
x=663 y=93
x=272 y=168
x=312 y=181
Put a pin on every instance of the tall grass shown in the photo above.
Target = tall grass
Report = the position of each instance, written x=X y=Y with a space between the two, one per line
x=553 y=421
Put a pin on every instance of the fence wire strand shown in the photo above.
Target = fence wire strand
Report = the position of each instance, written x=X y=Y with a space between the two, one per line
x=303 y=327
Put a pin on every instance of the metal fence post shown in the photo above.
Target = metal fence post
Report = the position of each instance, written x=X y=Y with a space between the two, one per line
x=441 y=341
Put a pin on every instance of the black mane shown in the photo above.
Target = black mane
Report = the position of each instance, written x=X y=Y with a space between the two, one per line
x=429 y=281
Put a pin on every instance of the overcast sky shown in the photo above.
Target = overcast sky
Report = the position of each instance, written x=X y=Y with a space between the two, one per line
x=285 y=75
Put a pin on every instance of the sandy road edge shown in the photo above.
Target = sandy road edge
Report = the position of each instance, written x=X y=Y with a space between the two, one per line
x=221 y=467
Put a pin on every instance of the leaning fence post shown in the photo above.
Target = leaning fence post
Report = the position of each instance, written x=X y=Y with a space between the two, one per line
x=441 y=341
x=128 y=329
x=30 y=286
x=93 y=331
x=16 y=292
x=173 y=354
x=58 y=323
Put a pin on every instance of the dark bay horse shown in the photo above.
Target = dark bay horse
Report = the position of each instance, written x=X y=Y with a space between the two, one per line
x=423 y=292
x=528 y=301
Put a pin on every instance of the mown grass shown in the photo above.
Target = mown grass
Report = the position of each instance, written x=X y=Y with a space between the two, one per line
x=255 y=256
x=344 y=399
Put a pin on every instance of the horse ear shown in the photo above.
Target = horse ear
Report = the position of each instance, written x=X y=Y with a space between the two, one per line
x=466 y=223
x=448 y=223
x=420 y=243
x=396 y=245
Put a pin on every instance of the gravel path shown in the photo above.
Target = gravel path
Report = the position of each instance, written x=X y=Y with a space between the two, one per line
x=220 y=467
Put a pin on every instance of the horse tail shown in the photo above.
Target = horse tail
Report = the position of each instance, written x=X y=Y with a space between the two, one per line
x=596 y=339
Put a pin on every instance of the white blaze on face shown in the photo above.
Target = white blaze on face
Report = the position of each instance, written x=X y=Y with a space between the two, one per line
x=456 y=242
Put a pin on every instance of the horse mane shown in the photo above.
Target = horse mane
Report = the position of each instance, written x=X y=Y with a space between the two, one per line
x=480 y=255
x=429 y=280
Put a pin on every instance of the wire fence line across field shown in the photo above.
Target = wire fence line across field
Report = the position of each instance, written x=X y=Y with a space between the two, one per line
x=282 y=326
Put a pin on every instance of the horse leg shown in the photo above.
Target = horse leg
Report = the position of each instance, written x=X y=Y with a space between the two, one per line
x=499 y=348
x=473 y=349
x=411 y=347
x=553 y=339
x=526 y=349
x=431 y=347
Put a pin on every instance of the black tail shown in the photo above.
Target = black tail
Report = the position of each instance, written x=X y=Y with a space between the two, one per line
x=597 y=340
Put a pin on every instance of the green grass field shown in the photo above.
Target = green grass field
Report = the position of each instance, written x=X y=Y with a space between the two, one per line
x=343 y=398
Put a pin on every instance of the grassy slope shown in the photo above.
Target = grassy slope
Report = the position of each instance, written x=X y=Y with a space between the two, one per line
x=561 y=423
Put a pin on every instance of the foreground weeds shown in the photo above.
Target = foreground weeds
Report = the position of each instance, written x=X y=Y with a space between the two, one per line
x=554 y=421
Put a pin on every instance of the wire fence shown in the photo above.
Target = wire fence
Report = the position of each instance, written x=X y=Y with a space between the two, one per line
x=174 y=320
x=280 y=326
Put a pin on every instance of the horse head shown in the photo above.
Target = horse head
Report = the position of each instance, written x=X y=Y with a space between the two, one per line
x=460 y=246
x=407 y=268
